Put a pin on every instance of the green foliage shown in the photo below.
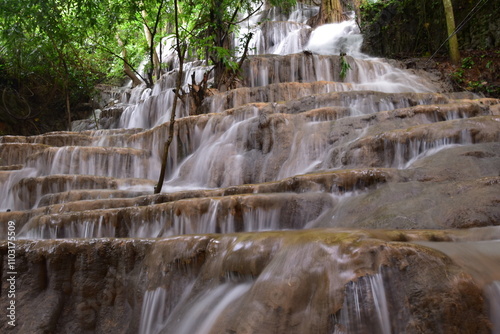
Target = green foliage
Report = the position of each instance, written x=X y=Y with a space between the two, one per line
x=483 y=87
x=458 y=75
x=47 y=59
x=477 y=73
x=344 y=67
x=208 y=28
x=468 y=62
x=59 y=48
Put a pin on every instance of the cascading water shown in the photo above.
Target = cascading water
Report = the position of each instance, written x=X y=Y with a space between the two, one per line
x=303 y=201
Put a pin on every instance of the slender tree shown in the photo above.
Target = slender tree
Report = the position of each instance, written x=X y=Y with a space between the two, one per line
x=331 y=11
x=180 y=49
x=150 y=32
x=127 y=69
x=450 y=24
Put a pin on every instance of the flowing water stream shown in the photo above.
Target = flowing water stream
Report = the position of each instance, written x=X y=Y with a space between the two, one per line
x=301 y=202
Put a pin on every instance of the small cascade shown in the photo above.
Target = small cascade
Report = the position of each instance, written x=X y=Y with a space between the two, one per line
x=405 y=155
x=282 y=37
x=195 y=315
x=153 y=309
x=149 y=107
x=306 y=200
x=238 y=213
x=102 y=227
x=367 y=308
x=276 y=31
x=337 y=38
x=101 y=161
x=9 y=181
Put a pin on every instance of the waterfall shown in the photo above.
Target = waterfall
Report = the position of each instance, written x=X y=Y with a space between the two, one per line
x=198 y=315
x=302 y=201
x=355 y=318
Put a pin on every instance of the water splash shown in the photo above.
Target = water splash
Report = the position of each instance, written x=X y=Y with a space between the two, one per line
x=336 y=39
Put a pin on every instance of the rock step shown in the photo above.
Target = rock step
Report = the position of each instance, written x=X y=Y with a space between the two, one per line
x=408 y=188
x=87 y=160
x=251 y=212
x=323 y=107
x=58 y=139
x=11 y=167
x=89 y=194
x=10 y=152
x=67 y=138
x=17 y=153
x=269 y=271
x=457 y=204
x=326 y=107
x=279 y=211
x=29 y=190
x=86 y=202
x=399 y=148
x=305 y=96
x=269 y=69
x=279 y=145
x=432 y=193
x=335 y=182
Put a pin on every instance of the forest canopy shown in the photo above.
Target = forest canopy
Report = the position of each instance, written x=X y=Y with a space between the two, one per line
x=53 y=53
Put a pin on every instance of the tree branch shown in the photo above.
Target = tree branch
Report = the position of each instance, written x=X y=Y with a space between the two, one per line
x=111 y=52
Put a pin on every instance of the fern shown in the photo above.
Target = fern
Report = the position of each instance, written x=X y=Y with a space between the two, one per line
x=344 y=67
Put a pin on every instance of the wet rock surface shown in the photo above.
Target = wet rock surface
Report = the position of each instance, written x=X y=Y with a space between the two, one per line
x=294 y=281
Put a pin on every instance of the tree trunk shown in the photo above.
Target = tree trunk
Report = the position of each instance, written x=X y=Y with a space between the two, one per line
x=216 y=16
x=68 y=108
x=332 y=11
x=126 y=68
x=357 y=11
x=180 y=52
x=450 y=24
x=153 y=54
